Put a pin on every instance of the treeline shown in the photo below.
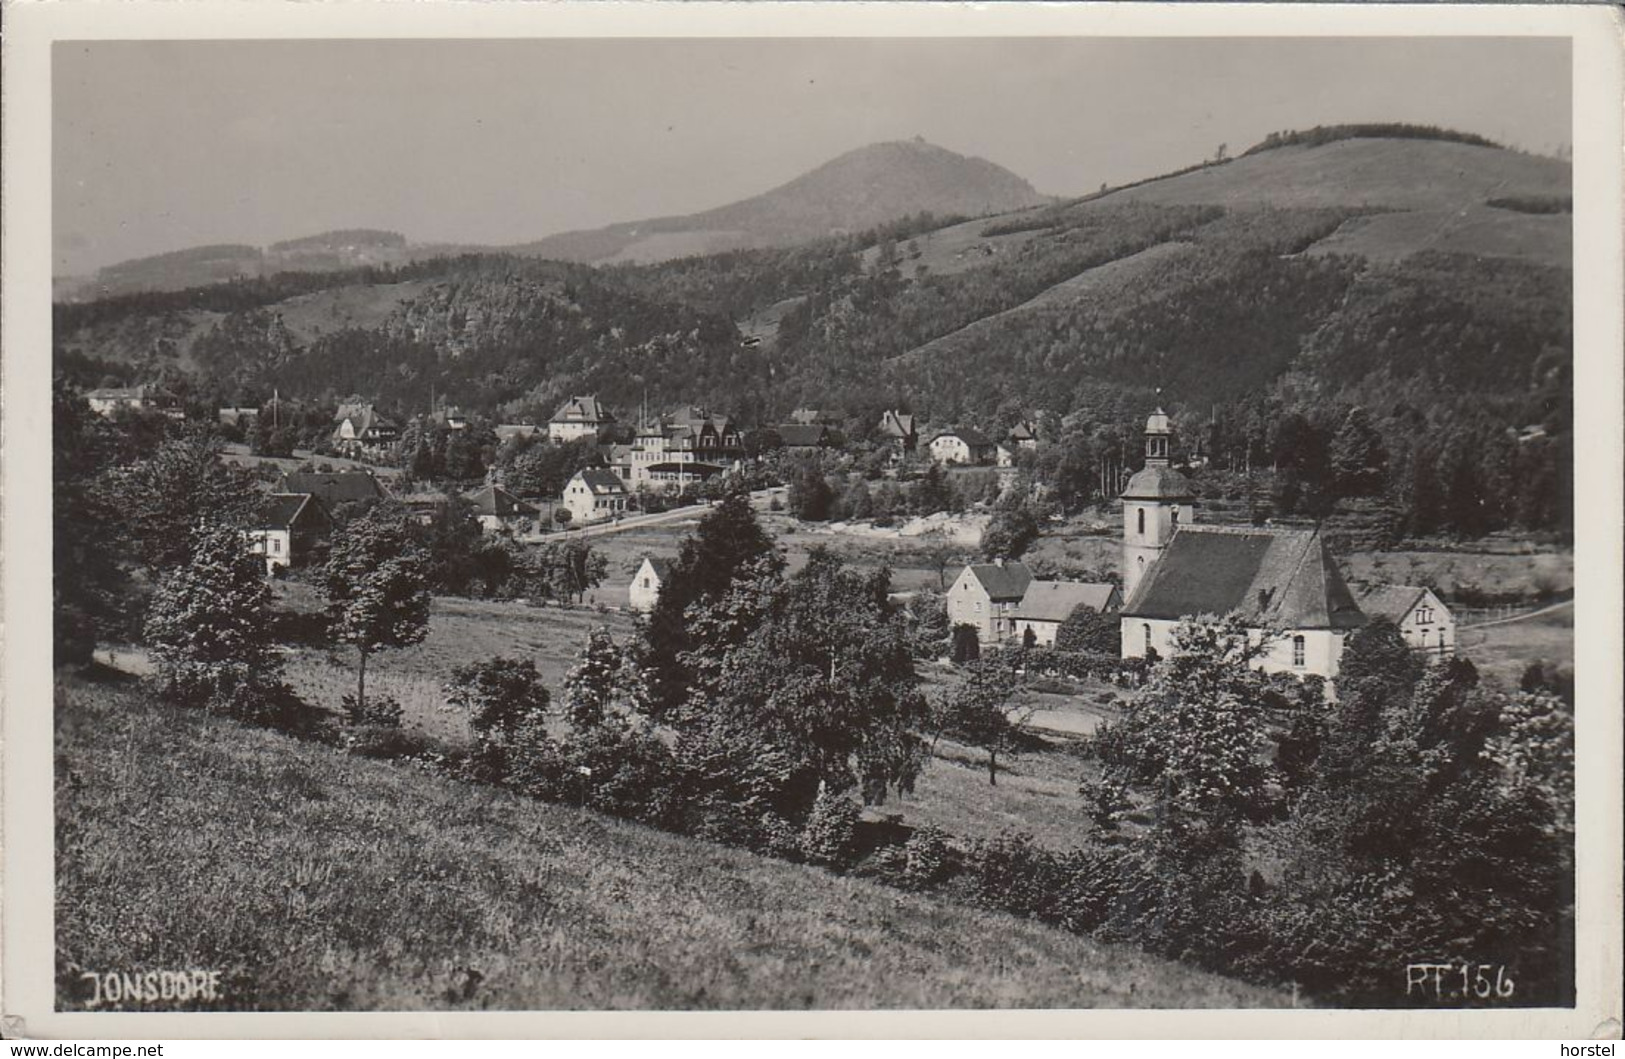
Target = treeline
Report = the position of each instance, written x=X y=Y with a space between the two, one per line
x=1324 y=134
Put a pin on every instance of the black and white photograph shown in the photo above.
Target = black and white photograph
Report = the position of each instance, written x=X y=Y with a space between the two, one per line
x=819 y=521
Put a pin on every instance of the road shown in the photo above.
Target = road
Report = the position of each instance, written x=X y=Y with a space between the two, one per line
x=635 y=522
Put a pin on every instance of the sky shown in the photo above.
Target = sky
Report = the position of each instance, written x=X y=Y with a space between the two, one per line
x=161 y=145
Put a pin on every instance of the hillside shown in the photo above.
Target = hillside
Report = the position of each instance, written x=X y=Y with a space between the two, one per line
x=315 y=881
x=1364 y=270
x=861 y=189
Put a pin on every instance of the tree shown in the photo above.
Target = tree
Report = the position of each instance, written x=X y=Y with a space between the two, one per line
x=1090 y=631
x=728 y=544
x=88 y=583
x=827 y=676
x=1194 y=735
x=377 y=587
x=506 y=703
x=465 y=459
x=932 y=492
x=1359 y=458
x=1009 y=534
x=591 y=686
x=811 y=497
x=165 y=495
x=208 y=627
x=967 y=644
x=564 y=571
x=928 y=612
x=982 y=710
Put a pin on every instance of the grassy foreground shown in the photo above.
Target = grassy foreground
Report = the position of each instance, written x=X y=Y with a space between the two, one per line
x=315 y=881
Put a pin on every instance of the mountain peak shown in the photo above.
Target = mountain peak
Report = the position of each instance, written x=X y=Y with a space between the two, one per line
x=863 y=188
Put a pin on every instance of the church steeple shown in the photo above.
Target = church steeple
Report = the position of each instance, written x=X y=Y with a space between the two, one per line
x=1157 y=499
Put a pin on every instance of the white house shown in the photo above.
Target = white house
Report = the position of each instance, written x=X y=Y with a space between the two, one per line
x=287 y=530
x=1046 y=604
x=962 y=445
x=681 y=450
x=1420 y=616
x=986 y=595
x=362 y=430
x=499 y=511
x=107 y=400
x=579 y=417
x=644 y=591
x=594 y=493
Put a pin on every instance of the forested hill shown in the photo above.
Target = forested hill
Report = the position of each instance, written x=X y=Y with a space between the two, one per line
x=1426 y=275
x=861 y=189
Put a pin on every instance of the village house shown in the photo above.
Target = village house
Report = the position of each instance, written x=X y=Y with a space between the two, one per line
x=682 y=450
x=802 y=439
x=1420 y=616
x=1280 y=579
x=644 y=591
x=237 y=417
x=1046 y=604
x=423 y=503
x=288 y=530
x=898 y=430
x=332 y=488
x=986 y=595
x=506 y=432
x=108 y=400
x=579 y=417
x=499 y=511
x=594 y=494
x=363 y=431
x=962 y=445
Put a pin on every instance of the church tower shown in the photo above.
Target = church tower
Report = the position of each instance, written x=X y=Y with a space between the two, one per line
x=1156 y=501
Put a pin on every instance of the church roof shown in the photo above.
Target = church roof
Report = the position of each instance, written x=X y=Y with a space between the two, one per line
x=1158 y=483
x=1285 y=576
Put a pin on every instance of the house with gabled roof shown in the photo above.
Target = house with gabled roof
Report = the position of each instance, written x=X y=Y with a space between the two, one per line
x=288 y=530
x=1420 y=616
x=1045 y=605
x=107 y=400
x=334 y=487
x=899 y=430
x=986 y=595
x=962 y=445
x=806 y=438
x=499 y=511
x=594 y=494
x=579 y=417
x=683 y=449
x=363 y=430
x=651 y=577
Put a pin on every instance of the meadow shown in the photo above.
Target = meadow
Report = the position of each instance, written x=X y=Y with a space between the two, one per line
x=316 y=881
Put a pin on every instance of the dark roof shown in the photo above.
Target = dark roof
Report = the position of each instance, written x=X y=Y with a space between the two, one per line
x=601 y=480
x=1006 y=583
x=1056 y=600
x=582 y=410
x=897 y=424
x=803 y=435
x=1284 y=576
x=282 y=510
x=335 y=487
x=662 y=567
x=504 y=431
x=495 y=501
x=969 y=435
x=1158 y=483
x=1023 y=432
x=1389 y=601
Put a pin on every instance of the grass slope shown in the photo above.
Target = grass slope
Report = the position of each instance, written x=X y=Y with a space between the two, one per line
x=313 y=881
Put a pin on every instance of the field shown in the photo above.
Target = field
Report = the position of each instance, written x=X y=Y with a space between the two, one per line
x=1503 y=649
x=315 y=881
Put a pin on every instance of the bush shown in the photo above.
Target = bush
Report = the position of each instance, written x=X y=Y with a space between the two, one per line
x=1012 y=873
x=830 y=836
x=927 y=858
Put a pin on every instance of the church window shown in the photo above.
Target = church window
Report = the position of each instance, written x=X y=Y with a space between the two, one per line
x=1146 y=629
x=1176 y=516
x=1298 y=652
x=1141 y=513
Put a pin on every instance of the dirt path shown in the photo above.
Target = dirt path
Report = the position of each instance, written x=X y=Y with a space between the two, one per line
x=1521 y=617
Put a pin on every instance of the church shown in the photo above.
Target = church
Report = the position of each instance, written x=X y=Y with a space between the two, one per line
x=1175 y=569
